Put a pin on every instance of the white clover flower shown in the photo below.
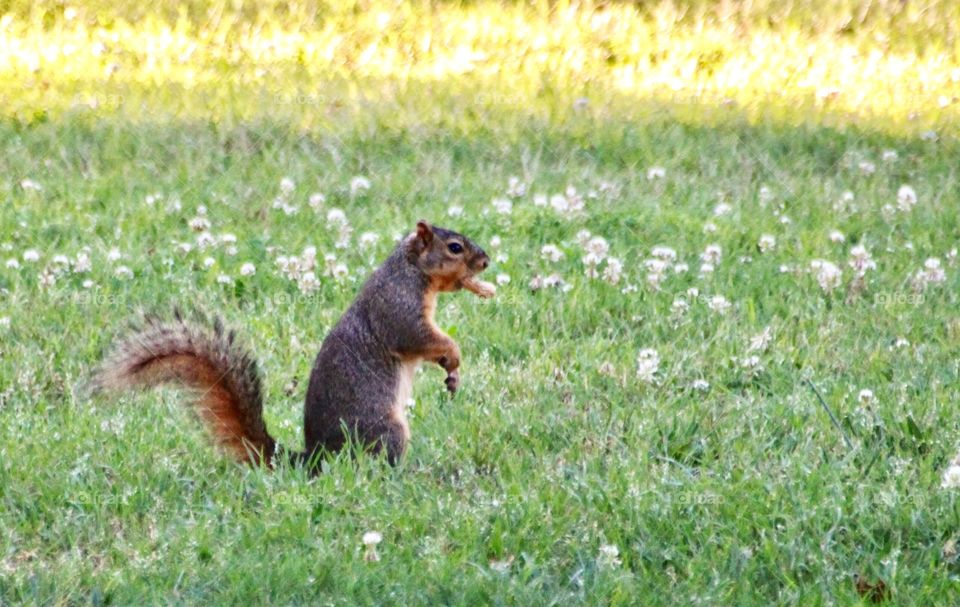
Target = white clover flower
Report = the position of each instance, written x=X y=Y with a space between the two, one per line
x=951 y=477
x=679 y=305
x=865 y=396
x=551 y=253
x=656 y=266
x=906 y=198
x=370 y=541
x=574 y=200
x=114 y=255
x=709 y=227
x=591 y=262
x=752 y=363
x=208 y=262
x=608 y=187
x=13 y=264
x=648 y=363
x=654 y=279
x=30 y=185
x=205 y=240
x=455 y=211
x=706 y=268
x=722 y=209
x=613 y=270
x=329 y=260
x=701 y=385
x=931 y=273
x=766 y=243
x=495 y=242
x=555 y=280
x=228 y=238
x=598 y=246
x=359 y=185
x=502 y=566
x=308 y=283
x=719 y=304
x=31 y=255
x=316 y=201
x=560 y=204
x=248 y=269
x=889 y=155
x=88 y=284
x=368 y=239
x=860 y=260
x=583 y=237
x=199 y=224
x=609 y=556
x=339 y=271
x=5 y=321
x=123 y=272
x=343 y=237
x=502 y=205
x=764 y=194
x=837 y=237
x=607 y=368
x=503 y=279
x=47 y=279
x=224 y=279
x=656 y=172
x=82 y=263
x=829 y=276
x=680 y=268
x=516 y=188
x=760 y=341
x=867 y=168
x=336 y=217
x=712 y=254
x=288 y=266
x=287 y=186
x=540 y=200
x=664 y=253
x=656 y=271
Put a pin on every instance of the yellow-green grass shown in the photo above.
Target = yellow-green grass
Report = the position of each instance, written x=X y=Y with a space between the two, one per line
x=416 y=65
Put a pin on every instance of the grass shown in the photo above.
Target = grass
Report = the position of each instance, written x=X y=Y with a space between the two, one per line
x=555 y=449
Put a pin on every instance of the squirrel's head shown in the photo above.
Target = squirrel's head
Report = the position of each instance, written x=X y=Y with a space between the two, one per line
x=447 y=257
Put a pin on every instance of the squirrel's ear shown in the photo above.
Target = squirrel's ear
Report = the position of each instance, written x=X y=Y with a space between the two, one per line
x=424 y=232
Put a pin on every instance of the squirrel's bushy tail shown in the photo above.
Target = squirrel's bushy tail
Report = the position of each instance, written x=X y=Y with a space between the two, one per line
x=224 y=377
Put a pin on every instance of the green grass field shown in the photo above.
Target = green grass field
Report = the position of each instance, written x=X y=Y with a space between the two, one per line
x=770 y=196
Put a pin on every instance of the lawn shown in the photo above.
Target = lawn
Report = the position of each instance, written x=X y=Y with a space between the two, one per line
x=704 y=219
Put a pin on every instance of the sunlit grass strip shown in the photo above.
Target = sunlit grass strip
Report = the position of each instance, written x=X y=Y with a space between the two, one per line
x=495 y=56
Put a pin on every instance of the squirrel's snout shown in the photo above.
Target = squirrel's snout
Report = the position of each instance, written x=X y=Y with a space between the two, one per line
x=483 y=262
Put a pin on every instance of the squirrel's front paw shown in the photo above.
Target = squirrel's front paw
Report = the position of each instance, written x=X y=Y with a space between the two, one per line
x=480 y=287
x=452 y=381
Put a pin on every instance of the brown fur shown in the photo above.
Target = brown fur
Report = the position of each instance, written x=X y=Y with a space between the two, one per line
x=224 y=378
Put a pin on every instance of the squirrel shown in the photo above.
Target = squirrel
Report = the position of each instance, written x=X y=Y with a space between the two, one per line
x=361 y=379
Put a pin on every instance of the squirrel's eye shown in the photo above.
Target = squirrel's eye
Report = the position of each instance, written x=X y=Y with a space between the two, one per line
x=455 y=247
